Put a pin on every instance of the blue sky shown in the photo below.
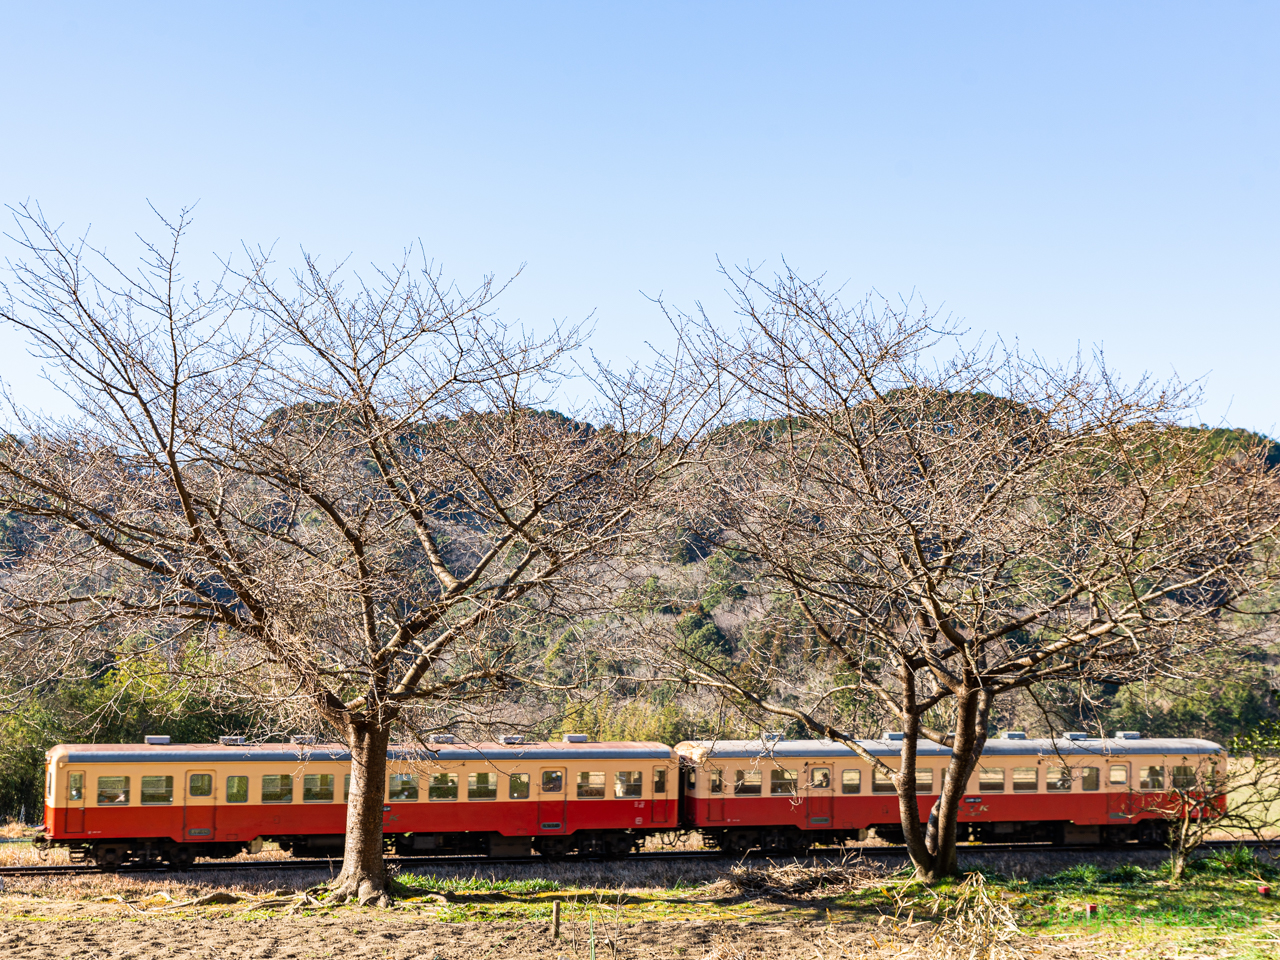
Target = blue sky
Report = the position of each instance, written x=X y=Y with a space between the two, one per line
x=1062 y=174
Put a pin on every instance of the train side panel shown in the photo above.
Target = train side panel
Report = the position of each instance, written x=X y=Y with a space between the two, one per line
x=1022 y=790
x=204 y=797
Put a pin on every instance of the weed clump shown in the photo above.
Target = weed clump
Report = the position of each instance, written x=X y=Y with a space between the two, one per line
x=430 y=883
x=1083 y=876
x=1127 y=875
x=1233 y=863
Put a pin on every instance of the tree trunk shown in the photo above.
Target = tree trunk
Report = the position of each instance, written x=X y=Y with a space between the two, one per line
x=364 y=873
x=909 y=804
x=1180 y=846
x=934 y=853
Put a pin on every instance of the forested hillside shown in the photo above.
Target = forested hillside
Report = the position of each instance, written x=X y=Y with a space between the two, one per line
x=707 y=602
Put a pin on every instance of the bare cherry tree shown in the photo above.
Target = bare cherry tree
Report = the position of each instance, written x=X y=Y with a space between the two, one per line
x=345 y=490
x=1234 y=798
x=934 y=528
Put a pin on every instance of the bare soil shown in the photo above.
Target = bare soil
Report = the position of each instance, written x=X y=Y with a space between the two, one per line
x=661 y=910
x=364 y=934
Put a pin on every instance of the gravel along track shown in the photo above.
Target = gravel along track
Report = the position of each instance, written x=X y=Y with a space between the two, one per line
x=409 y=863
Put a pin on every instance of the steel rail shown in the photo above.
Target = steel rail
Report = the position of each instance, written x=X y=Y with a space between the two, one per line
x=411 y=863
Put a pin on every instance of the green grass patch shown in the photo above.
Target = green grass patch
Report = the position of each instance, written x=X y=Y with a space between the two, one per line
x=1218 y=892
x=1217 y=896
x=429 y=883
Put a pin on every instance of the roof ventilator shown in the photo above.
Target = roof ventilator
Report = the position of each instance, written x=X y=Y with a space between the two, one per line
x=1076 y=735
x=894 y=735
x=156 y=741
x=231 y=741
x=302 y=738
x=442 y=738
x=1128 y=735
x=576 y=738
x=512 y=738
x=771 y=735
x=1015 y=735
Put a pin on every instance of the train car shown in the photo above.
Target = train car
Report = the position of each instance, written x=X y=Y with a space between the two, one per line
x=786 y=795
x=162 y=802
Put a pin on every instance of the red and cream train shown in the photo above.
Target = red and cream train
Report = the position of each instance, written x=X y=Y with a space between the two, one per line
x=171 y=803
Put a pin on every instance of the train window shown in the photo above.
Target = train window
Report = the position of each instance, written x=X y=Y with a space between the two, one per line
x=346 y=788
x=924 y=780
x=850 y=781
x=277 y=788
x=518 y=786
x=403 y=788
x=1212 y=781
x=157 y=790
x=482 y=786
x=1152 y=778
x=659 y=779
x=1184 y=778
x=48 y=784
x=1058 y=780
x=746 y=783
x=200 y=785
x=443 y=786
x=1090 y=778
x=715 y=781
x=782 y=783
x=552 y=781
x=113 y=791
x=881 y=782
x=1026 y=779
x=991 y=779
x=1119 y=776
x=820 y=778
x=237 y=789
x=692 y=779
x=75 y=786
x=317 y=788
x=590 y=785
x=628 y=784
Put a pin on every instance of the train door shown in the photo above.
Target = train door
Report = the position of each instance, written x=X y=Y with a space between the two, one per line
x=1119 y=791
x=819 y=797
x=199 y=808
x=658 y=807
x=75 y=801
x=552 y=800
x=715 y=795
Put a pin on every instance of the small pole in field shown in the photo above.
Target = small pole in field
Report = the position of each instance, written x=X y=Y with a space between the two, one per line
x=555 y=920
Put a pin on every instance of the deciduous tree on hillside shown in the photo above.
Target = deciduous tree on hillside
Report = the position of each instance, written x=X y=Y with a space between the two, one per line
x=345 y=490
x=937 y=534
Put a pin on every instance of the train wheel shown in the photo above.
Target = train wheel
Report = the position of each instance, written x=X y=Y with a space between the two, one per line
x=109 y=857
x=739 y=843
x=182 y=857
x=554 y=848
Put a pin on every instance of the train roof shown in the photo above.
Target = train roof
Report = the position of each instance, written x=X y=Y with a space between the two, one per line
x=330 y=752
x=1097 y=746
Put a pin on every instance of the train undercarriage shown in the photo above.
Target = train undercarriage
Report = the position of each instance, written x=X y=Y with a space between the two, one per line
x=792 y=841
x=587 y=843
x=154 y=851
x=608 y=844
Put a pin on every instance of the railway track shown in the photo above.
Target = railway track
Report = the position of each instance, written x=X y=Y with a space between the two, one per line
x=411 y=863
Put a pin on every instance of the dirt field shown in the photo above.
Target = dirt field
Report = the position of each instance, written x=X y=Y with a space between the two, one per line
x=406 y=938
x=621 y=911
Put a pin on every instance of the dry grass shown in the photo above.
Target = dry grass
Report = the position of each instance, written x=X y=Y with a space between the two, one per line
x=972 y=925
x=642 y=876
x=13 y=830
x=797 y=881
